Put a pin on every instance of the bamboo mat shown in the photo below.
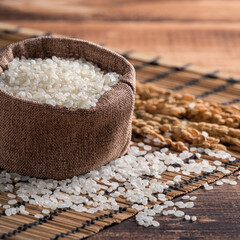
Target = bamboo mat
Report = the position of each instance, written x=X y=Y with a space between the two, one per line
x=180 y=78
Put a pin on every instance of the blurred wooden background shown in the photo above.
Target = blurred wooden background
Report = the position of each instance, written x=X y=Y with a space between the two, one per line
x=205 y=32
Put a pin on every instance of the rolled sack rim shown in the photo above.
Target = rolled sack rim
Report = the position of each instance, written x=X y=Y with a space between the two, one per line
x=129 y=74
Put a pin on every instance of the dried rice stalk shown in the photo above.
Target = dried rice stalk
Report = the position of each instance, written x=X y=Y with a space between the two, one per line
x=160 y=114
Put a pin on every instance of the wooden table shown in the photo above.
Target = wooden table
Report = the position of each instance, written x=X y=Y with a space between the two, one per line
x=204 y=32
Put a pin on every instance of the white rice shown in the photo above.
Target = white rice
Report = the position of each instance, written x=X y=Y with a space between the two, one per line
x=57 y=81
x=100 y=189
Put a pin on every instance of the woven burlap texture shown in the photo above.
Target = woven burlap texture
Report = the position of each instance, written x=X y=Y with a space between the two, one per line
x=37 y=139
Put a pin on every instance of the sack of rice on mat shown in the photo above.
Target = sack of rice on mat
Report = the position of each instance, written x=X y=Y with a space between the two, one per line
x=66 y=107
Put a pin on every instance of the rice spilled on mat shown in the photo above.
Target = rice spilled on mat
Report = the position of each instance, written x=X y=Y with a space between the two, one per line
x=136 y=177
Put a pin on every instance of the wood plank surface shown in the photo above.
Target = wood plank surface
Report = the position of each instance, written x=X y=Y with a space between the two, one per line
x=204 y=32
x=218 y=218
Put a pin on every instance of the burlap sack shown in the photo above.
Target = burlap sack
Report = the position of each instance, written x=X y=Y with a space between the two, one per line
x=37 y=139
